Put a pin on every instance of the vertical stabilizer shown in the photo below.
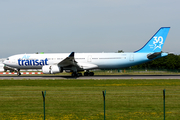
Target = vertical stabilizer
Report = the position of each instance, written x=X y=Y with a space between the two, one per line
x=156 y=43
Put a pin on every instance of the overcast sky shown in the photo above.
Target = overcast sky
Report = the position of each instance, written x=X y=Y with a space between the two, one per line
x=29 y=26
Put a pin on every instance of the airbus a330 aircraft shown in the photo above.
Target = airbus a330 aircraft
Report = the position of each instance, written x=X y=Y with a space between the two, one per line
x=78 y=62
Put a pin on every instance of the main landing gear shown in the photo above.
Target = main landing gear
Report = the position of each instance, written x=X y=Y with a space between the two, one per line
x=87 y=73
x=75 y=74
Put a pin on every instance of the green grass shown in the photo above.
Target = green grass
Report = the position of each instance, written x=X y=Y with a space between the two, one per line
x=83 y=99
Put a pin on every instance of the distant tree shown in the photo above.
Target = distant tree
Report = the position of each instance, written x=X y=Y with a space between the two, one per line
x=120 y=51
x=169 y=62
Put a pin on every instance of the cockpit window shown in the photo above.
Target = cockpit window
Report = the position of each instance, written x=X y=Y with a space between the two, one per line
x=7 y=59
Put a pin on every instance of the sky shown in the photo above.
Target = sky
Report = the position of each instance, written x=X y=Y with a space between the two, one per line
x=65 y=26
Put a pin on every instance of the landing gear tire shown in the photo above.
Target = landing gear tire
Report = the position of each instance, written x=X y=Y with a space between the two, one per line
x=88 y=73
x=79 y=74
x=91 y=74
x=76 y=74
x=73 y=74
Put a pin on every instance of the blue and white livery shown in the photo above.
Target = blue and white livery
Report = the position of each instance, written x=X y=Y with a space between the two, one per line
x=78 y=62
x=156 y=43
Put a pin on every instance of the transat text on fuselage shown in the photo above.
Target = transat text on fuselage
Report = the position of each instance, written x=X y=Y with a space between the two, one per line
x=35 y=62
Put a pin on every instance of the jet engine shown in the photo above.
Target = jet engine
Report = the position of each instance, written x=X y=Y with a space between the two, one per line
x=51 y=69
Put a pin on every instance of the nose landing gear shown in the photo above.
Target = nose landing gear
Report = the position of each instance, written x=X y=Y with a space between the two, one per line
x=18 y=72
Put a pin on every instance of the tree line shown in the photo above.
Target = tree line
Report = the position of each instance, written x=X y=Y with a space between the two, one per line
x=171 y=62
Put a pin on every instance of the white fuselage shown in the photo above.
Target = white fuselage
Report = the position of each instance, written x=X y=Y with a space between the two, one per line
x=77 y=62
x=93 y=60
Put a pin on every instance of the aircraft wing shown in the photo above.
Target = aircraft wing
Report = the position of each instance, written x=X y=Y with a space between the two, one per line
x=68 y=61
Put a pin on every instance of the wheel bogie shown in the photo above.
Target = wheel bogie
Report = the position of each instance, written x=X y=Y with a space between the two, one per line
x=76 y=74
x=91 y=74
x=88 y=73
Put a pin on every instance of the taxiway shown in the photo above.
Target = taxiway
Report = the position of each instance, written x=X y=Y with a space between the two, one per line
x=96 y=77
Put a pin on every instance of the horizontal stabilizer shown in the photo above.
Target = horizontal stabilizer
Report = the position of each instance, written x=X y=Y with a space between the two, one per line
x=154 y=55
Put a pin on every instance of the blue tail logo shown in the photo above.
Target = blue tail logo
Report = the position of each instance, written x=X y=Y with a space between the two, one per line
x=156 y=43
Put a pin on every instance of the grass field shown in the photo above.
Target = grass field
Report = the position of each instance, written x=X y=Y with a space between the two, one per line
x=83 y=99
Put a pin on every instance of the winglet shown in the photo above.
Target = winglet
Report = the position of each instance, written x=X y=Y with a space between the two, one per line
x=72 y=54
x=156 y=43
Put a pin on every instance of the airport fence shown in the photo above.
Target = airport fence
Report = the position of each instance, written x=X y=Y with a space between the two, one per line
x=68 y=105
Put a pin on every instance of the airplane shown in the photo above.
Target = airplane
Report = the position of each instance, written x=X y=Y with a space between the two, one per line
x=76 y=63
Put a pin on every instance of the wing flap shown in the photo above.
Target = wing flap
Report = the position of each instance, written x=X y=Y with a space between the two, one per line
x=87 y=66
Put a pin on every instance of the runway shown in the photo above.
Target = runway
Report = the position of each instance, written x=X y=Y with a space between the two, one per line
x=96 y=77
